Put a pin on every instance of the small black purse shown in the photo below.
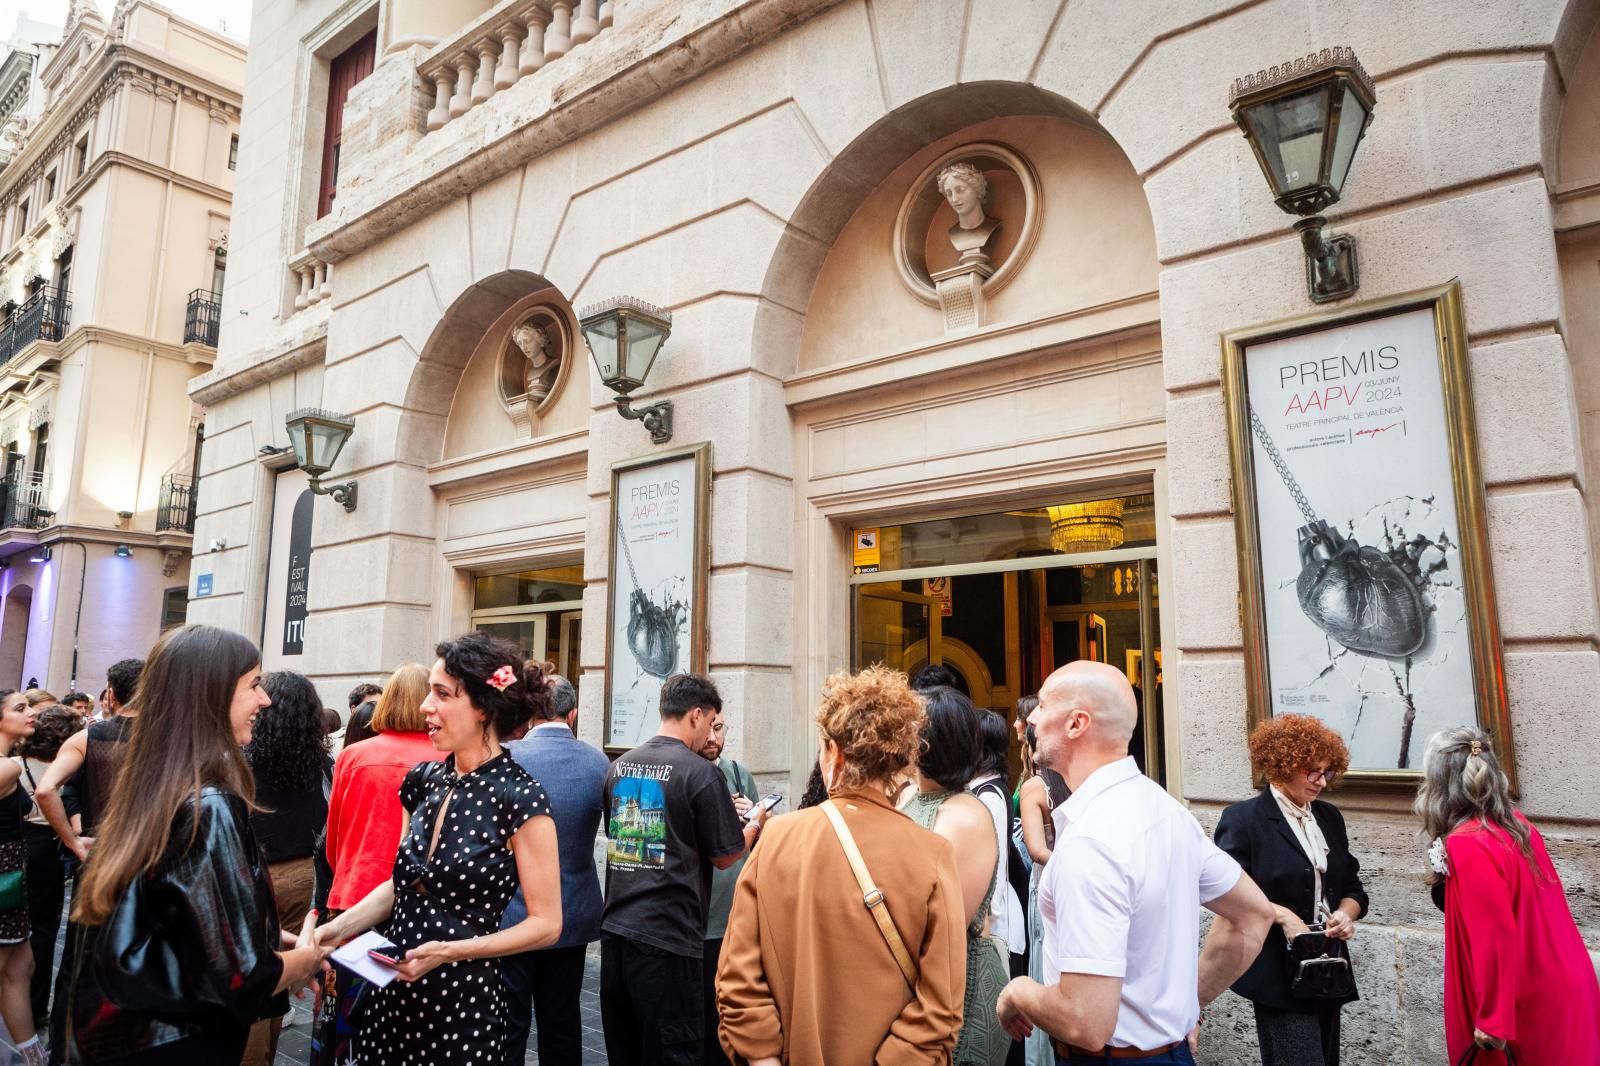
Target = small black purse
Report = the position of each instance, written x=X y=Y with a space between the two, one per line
x=1320 y=965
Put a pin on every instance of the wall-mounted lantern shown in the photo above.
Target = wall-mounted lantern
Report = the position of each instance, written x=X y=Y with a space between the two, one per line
x=318 y=436
x=624 y=336
x=1305 y=120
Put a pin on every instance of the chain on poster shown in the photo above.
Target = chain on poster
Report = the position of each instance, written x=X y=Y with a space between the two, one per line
x=654 y=622
x=1363 y=555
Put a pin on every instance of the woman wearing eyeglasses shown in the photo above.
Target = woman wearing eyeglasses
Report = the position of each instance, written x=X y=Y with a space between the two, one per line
x=1294 y=846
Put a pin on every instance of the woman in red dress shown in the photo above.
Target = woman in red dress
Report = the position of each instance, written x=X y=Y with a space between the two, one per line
x=1516 y=973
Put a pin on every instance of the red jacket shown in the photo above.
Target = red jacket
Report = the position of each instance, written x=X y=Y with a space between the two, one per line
x=1515 y=964
x=364 y=812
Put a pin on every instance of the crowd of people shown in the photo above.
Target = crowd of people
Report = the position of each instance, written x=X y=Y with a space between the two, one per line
x=915 y=908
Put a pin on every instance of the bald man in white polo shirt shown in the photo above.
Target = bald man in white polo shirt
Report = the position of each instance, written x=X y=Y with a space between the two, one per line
x=1122 y=893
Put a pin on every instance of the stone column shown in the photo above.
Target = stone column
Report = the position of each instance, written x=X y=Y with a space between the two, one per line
x=303 y=297
x=443 y=81
x=533 y=45
x=461 y=102
x=483 y=88
x=558 y=38
x=587 y=22
x=507 y=73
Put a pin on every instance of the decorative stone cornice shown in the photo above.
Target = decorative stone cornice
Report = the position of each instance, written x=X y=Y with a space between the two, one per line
x=124 y=66
x=242 y=375
x=627 y=68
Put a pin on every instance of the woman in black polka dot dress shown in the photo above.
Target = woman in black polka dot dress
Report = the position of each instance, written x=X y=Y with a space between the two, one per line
x=479 y=829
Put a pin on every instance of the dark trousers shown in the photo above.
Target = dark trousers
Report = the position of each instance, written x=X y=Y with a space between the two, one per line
x=549 y=982
x=1299 y=1038
x=47 y=891
x=650 y=1004
x=58 y=1017
x=1019 y=968
x=710 y=1044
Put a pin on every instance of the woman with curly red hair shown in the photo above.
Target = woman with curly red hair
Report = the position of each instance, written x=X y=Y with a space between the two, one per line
x=1295 y=847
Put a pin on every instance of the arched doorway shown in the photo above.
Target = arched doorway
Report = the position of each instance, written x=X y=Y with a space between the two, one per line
x=501 y=378
x=976 y=450
x=14 y=634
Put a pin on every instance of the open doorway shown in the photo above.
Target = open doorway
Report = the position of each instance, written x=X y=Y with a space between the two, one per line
x=1005 y=599
x=14 y=634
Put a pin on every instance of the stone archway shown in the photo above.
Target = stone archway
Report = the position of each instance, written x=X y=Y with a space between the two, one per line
x=431 y=391
x=14 y=633
x=844 y=184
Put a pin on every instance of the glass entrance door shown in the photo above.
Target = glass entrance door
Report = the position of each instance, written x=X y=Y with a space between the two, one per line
x=539 y=610
x=1004 y=600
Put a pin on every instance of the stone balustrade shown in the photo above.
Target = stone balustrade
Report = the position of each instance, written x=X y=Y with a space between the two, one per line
x=514 y=40
x=316 y=280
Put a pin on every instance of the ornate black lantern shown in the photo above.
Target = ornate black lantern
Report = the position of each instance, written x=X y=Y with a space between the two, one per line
x=1305 y=120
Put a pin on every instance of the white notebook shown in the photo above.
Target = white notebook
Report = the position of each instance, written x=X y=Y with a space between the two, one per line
x=353 y=957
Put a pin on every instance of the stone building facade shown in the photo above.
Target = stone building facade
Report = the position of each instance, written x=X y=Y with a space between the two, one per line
x=114 y=213
x=773 y=172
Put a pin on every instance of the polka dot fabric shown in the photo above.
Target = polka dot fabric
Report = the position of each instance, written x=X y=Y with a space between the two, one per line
x=453 y=1014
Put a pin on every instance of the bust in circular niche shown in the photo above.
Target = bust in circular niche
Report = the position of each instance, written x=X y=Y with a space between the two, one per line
x=965 y=188
x=539 y=375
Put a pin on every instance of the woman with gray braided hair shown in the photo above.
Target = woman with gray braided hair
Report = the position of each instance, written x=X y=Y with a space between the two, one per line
x=1517 y=977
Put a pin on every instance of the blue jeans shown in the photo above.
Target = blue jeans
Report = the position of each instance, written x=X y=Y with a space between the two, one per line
x=1178 y=1056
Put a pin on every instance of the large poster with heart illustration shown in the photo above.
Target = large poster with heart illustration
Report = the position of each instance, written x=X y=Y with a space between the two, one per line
x=658 y=574
x=1368 y=580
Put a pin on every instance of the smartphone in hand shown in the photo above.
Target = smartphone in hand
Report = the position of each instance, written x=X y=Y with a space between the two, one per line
x=387 y=960
x=768 y=802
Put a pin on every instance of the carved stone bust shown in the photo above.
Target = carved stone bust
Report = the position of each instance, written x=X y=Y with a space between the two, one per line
x=965 y=188
x=542 y=366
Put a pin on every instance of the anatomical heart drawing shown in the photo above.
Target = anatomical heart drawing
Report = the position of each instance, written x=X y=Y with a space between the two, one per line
x=1358 y=537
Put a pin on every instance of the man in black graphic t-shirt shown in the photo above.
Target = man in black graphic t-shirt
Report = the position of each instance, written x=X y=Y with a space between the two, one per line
x=669 y=820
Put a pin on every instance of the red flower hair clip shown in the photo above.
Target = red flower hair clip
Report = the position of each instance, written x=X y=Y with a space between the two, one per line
x=503 y=678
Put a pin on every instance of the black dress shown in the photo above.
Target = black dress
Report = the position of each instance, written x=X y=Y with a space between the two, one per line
x=455 y=1013
x=14 y=926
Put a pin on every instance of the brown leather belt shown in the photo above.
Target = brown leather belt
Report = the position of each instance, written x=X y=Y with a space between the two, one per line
x=1067 y=1051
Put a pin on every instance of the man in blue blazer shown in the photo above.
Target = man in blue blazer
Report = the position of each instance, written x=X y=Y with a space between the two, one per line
x=550 y=981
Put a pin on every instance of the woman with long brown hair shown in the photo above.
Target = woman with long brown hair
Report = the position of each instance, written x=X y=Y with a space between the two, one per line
x=179 y=951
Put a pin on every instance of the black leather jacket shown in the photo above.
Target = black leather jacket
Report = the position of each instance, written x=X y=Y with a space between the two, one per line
x=191 y=949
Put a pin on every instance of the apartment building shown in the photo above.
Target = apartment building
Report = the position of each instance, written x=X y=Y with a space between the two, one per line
x=114 y=216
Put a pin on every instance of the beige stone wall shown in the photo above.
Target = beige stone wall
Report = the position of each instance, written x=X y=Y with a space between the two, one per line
x=735 y=161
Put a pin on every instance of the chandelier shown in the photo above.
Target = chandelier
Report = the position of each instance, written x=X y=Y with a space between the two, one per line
x=1093 y=526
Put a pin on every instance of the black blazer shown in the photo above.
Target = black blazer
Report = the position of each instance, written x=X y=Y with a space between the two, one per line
x=1256 y=833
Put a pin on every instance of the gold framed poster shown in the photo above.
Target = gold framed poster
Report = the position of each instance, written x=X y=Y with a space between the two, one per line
x=1365 y=587
x=656 y=588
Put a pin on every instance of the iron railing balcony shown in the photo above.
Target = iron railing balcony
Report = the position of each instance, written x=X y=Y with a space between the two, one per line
x=44 y=316
x=204 y=318
x=24 y=502
x=176 y=510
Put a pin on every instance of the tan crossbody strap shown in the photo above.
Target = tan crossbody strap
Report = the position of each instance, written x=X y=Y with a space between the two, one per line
x=877 y=906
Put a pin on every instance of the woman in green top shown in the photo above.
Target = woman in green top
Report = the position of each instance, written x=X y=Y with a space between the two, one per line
x=950 y=744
